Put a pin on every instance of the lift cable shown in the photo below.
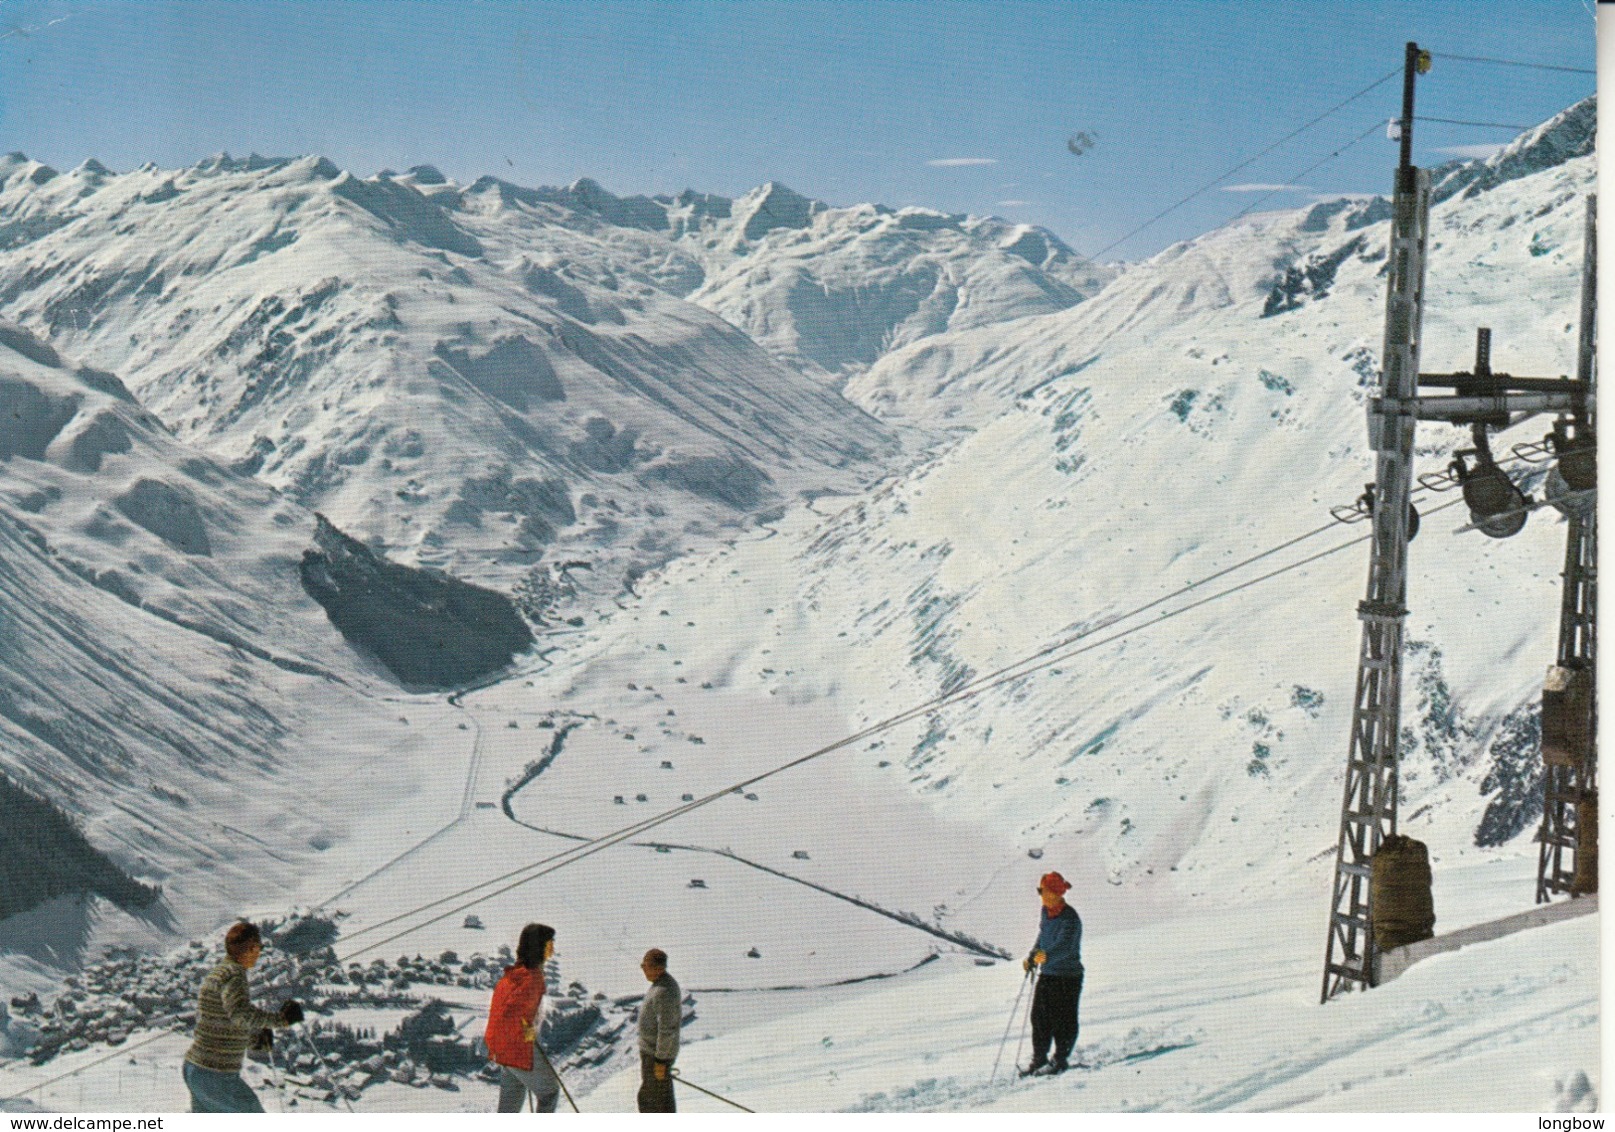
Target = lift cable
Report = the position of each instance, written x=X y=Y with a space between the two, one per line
x=1305 y=172
x=928 y=706
x=1209 y=185
x=121 y=1051
x=904 y=717
x=576 y=853
x=1513 y=63
x=1484 y=125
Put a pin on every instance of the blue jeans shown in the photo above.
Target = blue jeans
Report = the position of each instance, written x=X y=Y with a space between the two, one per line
x=212 y=1091
x=515 y=1084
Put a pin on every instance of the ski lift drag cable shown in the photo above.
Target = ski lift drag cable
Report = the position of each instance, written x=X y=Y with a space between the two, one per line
x=1209 y=185
x=679 y=1077
x=326 y=1065
x=904 y=717
x=998 y=676
x=577 y=853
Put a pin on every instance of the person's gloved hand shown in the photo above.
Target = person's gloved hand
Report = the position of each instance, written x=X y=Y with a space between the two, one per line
x=661 y=1070
x=264 y=1041
x=291 y=1013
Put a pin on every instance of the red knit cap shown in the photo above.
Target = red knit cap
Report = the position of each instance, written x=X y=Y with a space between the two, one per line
x=1055 y=883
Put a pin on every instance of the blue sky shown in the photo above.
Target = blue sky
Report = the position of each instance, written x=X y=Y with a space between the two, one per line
x=962 y=106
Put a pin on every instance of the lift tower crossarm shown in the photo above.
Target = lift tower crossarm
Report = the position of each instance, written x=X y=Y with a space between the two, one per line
x=1498 y=400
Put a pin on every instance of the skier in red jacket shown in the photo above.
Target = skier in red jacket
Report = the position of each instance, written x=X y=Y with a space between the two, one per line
x=512 y=1030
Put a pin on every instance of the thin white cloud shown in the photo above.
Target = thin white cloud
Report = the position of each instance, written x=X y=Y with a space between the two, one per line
x=1011 y=204
x=955 y=162
x=1476 y=152
x=28 y=31
x=1263 y=188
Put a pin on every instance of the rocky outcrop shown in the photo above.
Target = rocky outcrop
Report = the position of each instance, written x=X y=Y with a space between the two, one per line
x=428 y=629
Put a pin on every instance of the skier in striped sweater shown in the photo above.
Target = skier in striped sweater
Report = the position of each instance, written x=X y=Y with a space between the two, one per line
x=226 y=1024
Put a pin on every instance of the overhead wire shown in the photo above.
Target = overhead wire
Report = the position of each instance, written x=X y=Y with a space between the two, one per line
x=1009 y=674
x=1463 y=122
x=912 y=712
x=1305 y=172
x=119 y=1052
x=1209 y=185
x=1513 y=63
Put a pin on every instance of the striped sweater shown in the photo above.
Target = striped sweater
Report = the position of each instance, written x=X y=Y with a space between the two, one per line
x=226 y=1020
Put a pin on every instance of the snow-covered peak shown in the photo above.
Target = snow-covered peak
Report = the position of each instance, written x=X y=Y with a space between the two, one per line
x=1567 y=135
x=772 y=206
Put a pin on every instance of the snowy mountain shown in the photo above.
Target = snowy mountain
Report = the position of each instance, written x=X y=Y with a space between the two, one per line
x=1133 y=491
x=1259 y=267
x=1141 y=452
x=829 y=289
x=477 y=377
x=836 y=289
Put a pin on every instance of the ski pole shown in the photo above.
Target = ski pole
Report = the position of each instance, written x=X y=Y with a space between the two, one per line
x=677 y=1076
x=553 y=1073
x=274 y=1076
x=1034 y=972
x=326 y=1065
x=1013 y=1010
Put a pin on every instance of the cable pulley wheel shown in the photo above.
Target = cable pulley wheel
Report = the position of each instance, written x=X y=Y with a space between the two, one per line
x=1496 y=506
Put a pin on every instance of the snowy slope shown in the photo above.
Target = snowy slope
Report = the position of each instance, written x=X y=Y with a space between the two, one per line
x=1202 y=755
x=163 y=677
x=1197 y=1015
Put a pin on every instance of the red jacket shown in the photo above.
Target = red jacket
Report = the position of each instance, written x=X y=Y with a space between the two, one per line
x=512 y=1016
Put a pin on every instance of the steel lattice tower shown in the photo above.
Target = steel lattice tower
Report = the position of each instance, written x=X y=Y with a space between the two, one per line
x=1368 y=812
x=1567 y=787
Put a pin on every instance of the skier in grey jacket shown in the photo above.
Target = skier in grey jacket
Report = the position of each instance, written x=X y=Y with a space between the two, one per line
x=659 y=1018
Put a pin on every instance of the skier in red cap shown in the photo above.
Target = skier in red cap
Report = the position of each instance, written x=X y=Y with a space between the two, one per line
x=1058 y=957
